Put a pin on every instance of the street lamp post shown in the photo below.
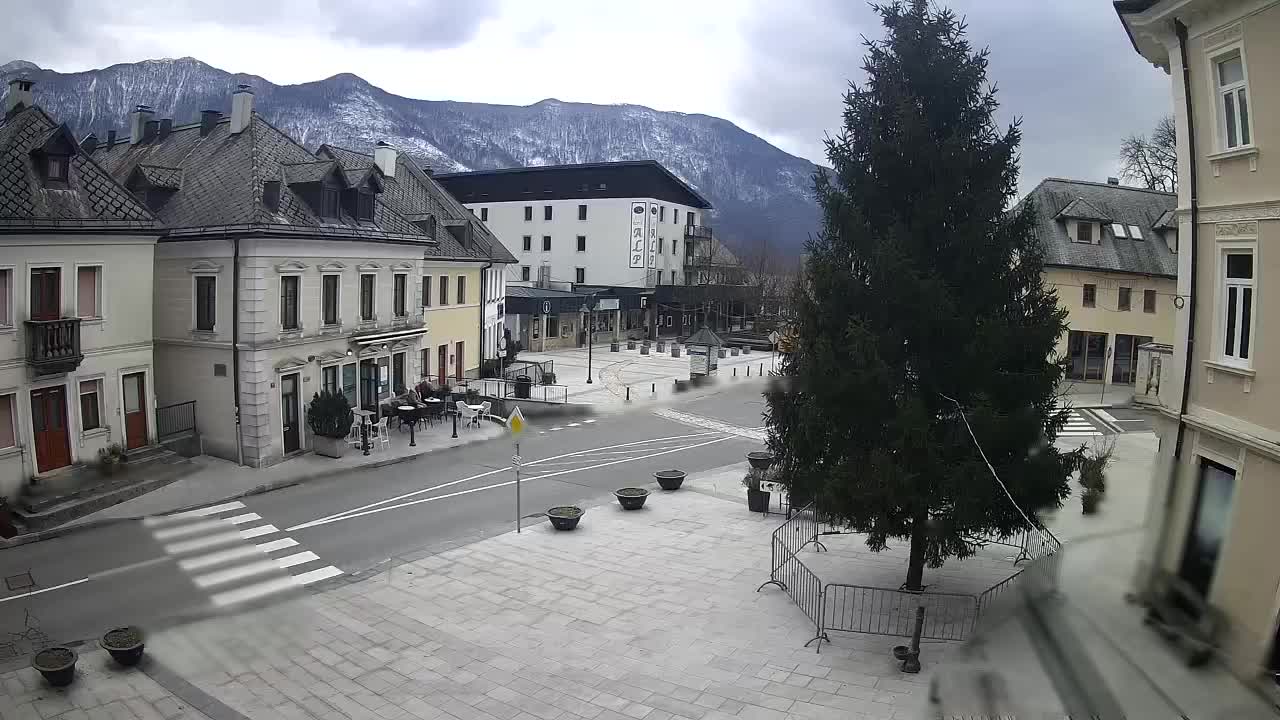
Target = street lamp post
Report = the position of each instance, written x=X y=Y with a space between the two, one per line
x=591 y=317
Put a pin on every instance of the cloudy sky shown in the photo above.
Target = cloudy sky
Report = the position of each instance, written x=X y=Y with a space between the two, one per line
x=775 y=68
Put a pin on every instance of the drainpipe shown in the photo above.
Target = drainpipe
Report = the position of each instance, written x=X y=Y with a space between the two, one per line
x=235 y=343
x=1161 y=537
x=484 y=302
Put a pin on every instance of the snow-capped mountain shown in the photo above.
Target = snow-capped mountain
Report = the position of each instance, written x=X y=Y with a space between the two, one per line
x=761 y=194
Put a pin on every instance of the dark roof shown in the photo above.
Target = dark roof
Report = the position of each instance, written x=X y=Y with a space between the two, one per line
x=704 y=336
x=1118 y=204
x=628 y=179
x=220 y=177
x=92 y=199
x=537 y=292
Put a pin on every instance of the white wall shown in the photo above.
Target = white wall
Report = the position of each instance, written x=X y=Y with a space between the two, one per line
x=607 y=229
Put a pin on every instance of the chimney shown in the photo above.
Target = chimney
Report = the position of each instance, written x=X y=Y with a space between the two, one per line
x=384 y=156
x=208 y=119
x=241 y=109
x=428 y=170
x=111 y=138
x=1113 y=181
x=150 y=130
x=19 y=96
x=138 y=122
x=166 y=126
x=89 y=144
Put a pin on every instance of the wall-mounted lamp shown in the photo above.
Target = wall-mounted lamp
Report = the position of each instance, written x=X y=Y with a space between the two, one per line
x=348 y=352
x=311 y=358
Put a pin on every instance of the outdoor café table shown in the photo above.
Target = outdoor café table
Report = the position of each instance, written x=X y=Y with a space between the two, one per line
x=433 y=409
x=408 y=413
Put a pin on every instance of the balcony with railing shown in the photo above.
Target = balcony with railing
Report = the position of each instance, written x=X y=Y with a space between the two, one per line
x=53 y=346
x=697 y=232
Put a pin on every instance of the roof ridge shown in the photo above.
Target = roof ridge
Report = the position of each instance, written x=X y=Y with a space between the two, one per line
x=1107 y=185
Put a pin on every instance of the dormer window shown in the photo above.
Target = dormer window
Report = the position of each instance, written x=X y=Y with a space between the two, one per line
x=56 y=168
x=364 y=206
x=329 y=202
x=1084 y=232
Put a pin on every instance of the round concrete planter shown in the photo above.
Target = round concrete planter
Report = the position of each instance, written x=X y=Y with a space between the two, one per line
x=124 y=643
x=614 y=347
x=733 y=352
x=565 y=517
x=675 y=351
x=57 y=664
x=760 y=460
x=662 y=346
x=631 y=498
x=631 y=344
x=670 y=479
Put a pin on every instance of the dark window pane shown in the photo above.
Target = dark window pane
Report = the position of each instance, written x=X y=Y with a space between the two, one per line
x=289 y=302
x=89 y=411
x=329 y=302
x=462 y=289
x=528 y=243
x=582 y=243
x=546 y=212
x=366 y=297
x=582 y=212
x=546 y=243
x=1090 y=295
x=206 y=302
x=1240 y=265
x=444 y=289
x=1123 y=299
x=1084 y=232
x=426 y=291
x=524 y=272
x=1231 y=322
x=1246 y=312
x=1244 y=116
x=528 y=212
x=399 y=292
x=1229 y=109
x=1149 y=301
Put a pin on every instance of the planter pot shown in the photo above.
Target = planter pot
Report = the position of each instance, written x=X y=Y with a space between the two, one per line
x=1089 y=502
x=675 y=351
x=330 y=447
x=901 y=652
x=644 y=349
x=733 y=352
x=722 y=352
x=662 y=346
x=565 y=517
x=757 y=500
x=614 y=347
x=124 y=643
x=746 y=349
x=57 y=664
x=669 y=479
x=631 y=498
x=631 y=344
x=760 y=460
x=7 y=530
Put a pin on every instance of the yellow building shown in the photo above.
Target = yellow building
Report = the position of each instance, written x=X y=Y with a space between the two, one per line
x=1210 y=527
x=1111 y=253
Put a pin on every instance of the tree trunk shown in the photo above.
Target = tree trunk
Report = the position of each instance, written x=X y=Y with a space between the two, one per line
x=919 y=537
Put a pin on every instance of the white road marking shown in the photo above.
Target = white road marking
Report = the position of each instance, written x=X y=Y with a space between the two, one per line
x=204 y=543
x=574 y=424
x=297 y=559
x=323 y=573
x=253 y=592
x=242 y=519
x=1106 y=416
x=258 y=531
x=321 y=521
x=218 y=558
x=557 y=428
x=194 y=528
x=275 y=545
x=419 y=501
x=239 y=572
x=198 y=512
x=588 y=421
x=45 y=590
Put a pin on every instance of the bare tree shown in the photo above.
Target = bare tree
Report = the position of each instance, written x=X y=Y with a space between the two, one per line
x=1153 y=161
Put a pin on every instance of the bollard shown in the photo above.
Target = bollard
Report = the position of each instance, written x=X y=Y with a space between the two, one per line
x=735 y=372
x=364 y=436
x=761 y=373
x=628 y=393
x=748 y=371
x=653 y=387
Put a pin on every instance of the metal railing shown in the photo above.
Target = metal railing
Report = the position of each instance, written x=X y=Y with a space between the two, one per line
x=176 y=419
x=502 y=389
x=698 y=231
x=886 y=611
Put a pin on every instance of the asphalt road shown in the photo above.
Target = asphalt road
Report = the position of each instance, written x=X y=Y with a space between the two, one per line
x=153 y=572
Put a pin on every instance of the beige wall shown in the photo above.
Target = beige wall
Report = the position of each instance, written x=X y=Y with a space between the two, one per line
x=1106 y=317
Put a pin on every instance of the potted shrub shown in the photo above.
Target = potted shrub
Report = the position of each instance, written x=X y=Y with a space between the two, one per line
x=110 y=458
x=1089 y=501
x=669 y=479
x=1093 y=477
x=565 y=517
x=631 y=498
x=662 y=346
x=124 y=643
x=329 y=416
x=473 y=396
x=57 y=664
x=7 y=530
x=757 y=499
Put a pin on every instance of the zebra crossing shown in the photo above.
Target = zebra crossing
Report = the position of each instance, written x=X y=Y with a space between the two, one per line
x=234 y=554
x=1078 y=426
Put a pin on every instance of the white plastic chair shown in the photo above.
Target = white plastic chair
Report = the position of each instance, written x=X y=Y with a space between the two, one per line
x=353 y=437
x=378 y=433
x=466 y=414
x=484 y=409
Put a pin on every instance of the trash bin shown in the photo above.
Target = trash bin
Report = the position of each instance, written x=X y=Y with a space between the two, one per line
x=523 y=384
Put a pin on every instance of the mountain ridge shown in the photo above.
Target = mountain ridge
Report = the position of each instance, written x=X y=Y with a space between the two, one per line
x=762 y=194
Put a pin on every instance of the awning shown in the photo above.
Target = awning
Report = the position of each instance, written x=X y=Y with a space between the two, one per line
x=387 y=336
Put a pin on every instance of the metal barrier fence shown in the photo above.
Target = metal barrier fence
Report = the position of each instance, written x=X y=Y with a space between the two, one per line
x=174 y=420
x=884 y=611
x=507 y=390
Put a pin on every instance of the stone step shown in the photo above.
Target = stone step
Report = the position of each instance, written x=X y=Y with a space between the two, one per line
x=83 y=489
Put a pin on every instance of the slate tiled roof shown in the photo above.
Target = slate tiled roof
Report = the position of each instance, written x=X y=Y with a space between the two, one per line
x=161 y=177
x=1148 y=209
x=91 y=199
x=221 y=177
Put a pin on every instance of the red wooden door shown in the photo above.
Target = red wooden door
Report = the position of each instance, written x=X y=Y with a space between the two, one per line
x=49 y=426
x=458 y=362
x=46 y=293
x=135 y=410
x=442 y=363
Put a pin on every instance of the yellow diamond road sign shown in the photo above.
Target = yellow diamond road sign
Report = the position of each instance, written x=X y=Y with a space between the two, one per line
x=515 y=421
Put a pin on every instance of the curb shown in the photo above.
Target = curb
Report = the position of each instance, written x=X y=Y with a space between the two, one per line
x=62 y=530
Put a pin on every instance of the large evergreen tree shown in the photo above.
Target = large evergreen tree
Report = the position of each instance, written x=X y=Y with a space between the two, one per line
x=923 y=286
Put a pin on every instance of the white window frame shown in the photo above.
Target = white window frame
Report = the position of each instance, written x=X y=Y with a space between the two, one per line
x=12 y=394
x=407 y=298
x=336 y=365
x=7 y=324
x=338 y=302
x=360 y=302
x=100 y=288
x=1219 y=91
x=280 y=304
x=580 y=272
x=103 y=425
x=195 y=300
x=1220 y=307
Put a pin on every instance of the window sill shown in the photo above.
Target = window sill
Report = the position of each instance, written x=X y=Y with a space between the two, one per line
x=291 y=334
x=11 y=450
x=334 y=329
x=8 y=329
x=1249 y=151
x=96 y=432
x=1213 y=367
x=91 y=321
x=203 y=334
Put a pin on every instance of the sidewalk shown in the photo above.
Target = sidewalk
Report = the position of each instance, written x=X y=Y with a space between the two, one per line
x=219 y=479
x=650 y=377
x=647 y=615
x=1094 y=395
